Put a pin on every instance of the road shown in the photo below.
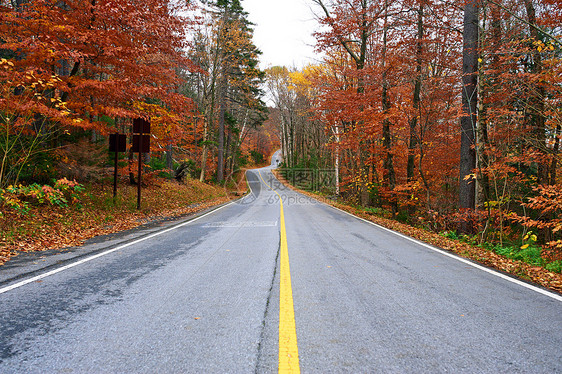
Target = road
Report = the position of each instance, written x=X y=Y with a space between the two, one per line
x=256 y=286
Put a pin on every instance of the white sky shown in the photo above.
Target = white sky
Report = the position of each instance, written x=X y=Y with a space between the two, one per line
x=283 y=31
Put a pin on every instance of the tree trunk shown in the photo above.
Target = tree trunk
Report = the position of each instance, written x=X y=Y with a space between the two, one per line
x=413 y=141
x=169 y=157
x=416 y=99
x=536 y=117
x=228 y=151
x=132 y=179
x=204 y=154
x=555 y=152
x=222 y=113
x=389 y=176
x=337 y=164
x=467 y=187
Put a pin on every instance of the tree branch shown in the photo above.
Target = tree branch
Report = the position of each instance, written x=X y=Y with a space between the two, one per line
x=555 y=39
x=342 y=42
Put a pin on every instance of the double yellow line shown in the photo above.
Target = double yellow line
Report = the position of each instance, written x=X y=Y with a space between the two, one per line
x=288 y=348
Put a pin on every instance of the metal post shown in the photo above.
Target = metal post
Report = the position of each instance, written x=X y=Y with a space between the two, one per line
x=115 y=176
x=140 y=173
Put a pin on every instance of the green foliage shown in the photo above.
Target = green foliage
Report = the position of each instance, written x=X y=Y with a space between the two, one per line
x=529 y=252
x=19 y=198
x=377 y=211
x=403 y=216
x=231 y=122
x=157 y=163
x=531 y=255
x=450 y=234
x=8 y=200
x=528 y=240
x=555 y=266
x=233 y=5
x=108 y=120
x=40 y=168
x=257 y=157
x=242 y=160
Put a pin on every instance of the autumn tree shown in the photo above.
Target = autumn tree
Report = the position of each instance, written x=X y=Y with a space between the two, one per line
x=228 y=91
x=393 y=56
x=467 y=186
x=399 y=77
x=303 y=137
x=352 y=26
x=518 y=115
x=90 y=65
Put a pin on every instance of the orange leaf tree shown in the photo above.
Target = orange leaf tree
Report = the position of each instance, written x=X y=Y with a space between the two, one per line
x=91 y=61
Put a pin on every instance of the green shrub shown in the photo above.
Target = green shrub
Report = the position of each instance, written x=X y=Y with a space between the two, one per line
x=257 y=156
x=530 y=255
x=529 y=252
x=157 y=163
x=555 y=266
x=20 y=197
x=450 y=234
x=403 y=217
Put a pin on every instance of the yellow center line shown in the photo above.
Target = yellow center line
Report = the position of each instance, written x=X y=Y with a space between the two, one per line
x=288 y=348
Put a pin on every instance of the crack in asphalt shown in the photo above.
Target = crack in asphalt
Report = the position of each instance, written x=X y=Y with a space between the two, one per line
x=267 y=311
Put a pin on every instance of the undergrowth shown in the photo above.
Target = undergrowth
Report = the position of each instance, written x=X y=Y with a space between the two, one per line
x=528 y=252
x=65 y=214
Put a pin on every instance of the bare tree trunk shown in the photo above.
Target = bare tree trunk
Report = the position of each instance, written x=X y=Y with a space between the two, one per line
x=228 y=151
x=169 y=157
x=204 y=154
x=413 y=141
x=222 y=113
x=337 y=163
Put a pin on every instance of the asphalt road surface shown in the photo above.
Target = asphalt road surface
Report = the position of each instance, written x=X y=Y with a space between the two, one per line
x=216 y=294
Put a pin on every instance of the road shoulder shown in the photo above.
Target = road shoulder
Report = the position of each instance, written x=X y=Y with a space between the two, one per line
x=29 y=264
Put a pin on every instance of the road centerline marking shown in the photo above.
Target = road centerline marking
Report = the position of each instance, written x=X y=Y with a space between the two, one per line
x=288 y=347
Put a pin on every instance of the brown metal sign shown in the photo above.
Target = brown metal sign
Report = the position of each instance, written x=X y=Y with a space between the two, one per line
x=141 y=126
x=142 y=144
x=117 y=142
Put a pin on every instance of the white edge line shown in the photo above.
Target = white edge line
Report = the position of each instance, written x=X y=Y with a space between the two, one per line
x=451 y=255
x=456 y=257
x=248 y=185
x=58 y=270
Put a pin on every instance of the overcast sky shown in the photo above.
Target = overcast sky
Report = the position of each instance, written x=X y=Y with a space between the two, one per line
x=283 y=31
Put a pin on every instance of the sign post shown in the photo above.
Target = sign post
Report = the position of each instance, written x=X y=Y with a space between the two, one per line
x=117 y=143
x=141 y=144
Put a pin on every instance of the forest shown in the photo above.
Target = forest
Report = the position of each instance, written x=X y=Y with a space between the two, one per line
x=444 y=115
x=441 y=114
x=73 y=73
